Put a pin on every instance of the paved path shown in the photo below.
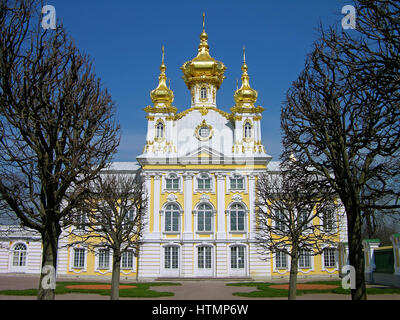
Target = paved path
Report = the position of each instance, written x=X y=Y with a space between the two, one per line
x=189 y=290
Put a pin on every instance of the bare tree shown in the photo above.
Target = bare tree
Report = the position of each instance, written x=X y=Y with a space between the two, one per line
x=294 y=219
x=342 y=117
x=57 y=126
x=114 y=218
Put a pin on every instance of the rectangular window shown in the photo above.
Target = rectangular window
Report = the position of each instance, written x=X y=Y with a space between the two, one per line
x=127 y=260
x=172 y=184
x=80 y=220
x=204 y=183
x=328 y=220
x=280 y=221
x=104 y=259
x=171 y=221
x=237 y=183
x=329 y=258
x=19 y=259
x=204 y=257
x=171 y=256
x=237 y=257
x=305 y=259
x=237 y=220
x=204 y=221
x=79 y=258
x=280 y=260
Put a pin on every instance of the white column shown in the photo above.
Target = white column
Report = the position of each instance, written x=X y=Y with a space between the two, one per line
x=396 y=250
x=252 y=197
x=156 y=206
x=221 y=234
x=188 y=192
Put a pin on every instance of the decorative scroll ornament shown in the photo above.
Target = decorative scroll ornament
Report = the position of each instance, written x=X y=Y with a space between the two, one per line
x=172 y=198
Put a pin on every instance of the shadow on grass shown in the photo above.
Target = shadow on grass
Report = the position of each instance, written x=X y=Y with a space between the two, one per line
x=142 y=290
x=265 y=291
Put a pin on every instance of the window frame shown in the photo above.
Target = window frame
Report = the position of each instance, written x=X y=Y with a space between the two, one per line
x=166 y=212
x=247 y=128
x=326 y=257
x=245 y=216
x=329 y=227
x=170 y=257
x=19 y=256
x=199 y=211
x=127 y=263
x=81 y=258
x=203 y=93
x=235 y=257
x=207 y=253
x=305 y=256
x=159 y=129
x=280 y=257
x=199 y=187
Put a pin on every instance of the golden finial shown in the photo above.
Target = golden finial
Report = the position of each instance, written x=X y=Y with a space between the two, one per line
x=245 y=94
x=162 y=94
x=204 y=21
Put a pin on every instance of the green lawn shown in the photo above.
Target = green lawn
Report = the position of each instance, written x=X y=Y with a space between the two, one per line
x=142 y=290
x=264 y=291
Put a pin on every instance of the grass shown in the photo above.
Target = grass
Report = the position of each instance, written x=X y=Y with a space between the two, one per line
x=264 y=290
x=142 y=290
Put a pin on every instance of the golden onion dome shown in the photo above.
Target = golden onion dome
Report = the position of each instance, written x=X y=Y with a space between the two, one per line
x=162 y=94
x=203 y=68
x=245 y=94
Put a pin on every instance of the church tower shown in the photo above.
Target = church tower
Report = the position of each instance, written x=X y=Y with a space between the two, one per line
x=203 y=75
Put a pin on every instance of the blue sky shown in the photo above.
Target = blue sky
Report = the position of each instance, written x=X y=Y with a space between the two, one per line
x=124 y=40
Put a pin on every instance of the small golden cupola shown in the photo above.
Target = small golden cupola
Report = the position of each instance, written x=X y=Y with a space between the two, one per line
x=245 y=96
x=203 y=75
x=162 y=96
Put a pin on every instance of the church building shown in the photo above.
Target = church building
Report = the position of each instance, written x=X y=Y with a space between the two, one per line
x=200 y=167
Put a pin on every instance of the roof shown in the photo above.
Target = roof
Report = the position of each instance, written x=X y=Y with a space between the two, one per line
x=274 y=166
x=123 y=166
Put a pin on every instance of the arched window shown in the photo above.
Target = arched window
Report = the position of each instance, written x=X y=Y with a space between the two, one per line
x=237 y=217
x=204 y=217
x=203 y=93
x=160 y=130
x=172 y=214
x=247 y=130
x=19 y=255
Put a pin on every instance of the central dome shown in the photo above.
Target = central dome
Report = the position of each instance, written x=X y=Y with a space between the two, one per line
x=203 y=68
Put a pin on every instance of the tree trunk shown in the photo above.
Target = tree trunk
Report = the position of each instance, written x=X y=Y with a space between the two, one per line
x=116 y=269
x=49 y=265
x=293 y=275
x=356 y=254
